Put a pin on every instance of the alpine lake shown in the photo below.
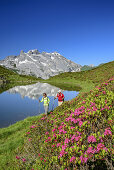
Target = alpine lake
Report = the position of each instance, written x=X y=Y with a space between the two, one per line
x=20 y=102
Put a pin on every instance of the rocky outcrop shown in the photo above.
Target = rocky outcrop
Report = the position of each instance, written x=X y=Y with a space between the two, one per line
x=42 y=65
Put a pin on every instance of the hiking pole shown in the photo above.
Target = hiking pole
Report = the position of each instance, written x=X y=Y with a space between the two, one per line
x=39 y=106
x=53 y=105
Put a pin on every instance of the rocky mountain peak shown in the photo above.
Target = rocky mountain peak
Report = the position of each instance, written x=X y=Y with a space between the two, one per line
x=21 y=52
x=35 y=51
x=43 y=65
x=55 y=53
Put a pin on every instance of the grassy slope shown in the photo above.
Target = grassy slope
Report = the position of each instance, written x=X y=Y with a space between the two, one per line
x=93 y=113
x=9 y=79
x=11 y=138
x=9 y=75
x=84 y=79
x=8 y=145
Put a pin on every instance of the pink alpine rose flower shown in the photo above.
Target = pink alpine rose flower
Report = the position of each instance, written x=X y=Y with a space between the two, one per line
x=104 y=92
x=73 y=137
x=17 y=157
x=46 y=133
x=62 y=153
x=43 y=118
x=91 y=139
x=100 y=146
x=72 y=159
x=80 y=123
x=53 y=129
x=64 y=147
x=33 y=126
x=58 y=144
x=66 y=140
x=28 y=132
x=101 y=140
x=54 y=135
x=77 y=138
x=107 y=132
x=24 y=160
x=91 y=150
x=60 y=127
x=49 y=138
x=83 y=159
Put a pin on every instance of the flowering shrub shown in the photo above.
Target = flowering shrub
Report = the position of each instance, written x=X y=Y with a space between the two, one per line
x=91 y=139
x=77 y=135
x=107 y=132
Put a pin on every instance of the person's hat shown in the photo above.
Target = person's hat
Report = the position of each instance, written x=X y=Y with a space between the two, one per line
x=59 y=91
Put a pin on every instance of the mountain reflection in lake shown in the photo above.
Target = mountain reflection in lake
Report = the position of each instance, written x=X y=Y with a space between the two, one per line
x=22 y=101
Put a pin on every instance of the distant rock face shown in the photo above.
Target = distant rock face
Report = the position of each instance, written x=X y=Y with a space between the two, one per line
x=42 y=65
x=91 y=65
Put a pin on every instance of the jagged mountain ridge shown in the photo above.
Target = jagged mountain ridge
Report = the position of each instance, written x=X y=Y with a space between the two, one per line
x=43 y=65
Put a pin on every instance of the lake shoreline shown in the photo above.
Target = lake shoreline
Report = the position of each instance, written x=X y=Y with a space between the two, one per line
x=19 y=102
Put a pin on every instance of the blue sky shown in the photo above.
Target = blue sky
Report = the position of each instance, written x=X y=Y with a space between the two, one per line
x=80 y=30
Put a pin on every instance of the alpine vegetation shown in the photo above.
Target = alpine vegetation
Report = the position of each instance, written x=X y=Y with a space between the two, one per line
x=42 y=65
x=77 y=135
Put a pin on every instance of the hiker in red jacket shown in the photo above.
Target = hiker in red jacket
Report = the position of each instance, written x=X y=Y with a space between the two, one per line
x=60 y=97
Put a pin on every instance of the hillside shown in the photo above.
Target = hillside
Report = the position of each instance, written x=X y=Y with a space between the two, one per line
x=77 y=135
x=10 y=75
x=96 y=75
x=84 y=79
x=9 y=79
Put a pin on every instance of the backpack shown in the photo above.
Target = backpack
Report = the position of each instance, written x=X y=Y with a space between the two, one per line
x=47 y=99
x=63 y=98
